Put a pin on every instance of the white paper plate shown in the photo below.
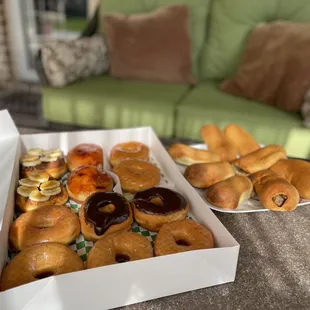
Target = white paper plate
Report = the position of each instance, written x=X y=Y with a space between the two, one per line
x=251 y=205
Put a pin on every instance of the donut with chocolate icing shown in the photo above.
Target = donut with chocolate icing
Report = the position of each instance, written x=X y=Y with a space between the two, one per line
x=158 y=206
x=103 y=213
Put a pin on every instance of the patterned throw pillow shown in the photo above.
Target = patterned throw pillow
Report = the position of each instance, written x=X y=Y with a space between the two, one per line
x=305 y=109
x=65 y=62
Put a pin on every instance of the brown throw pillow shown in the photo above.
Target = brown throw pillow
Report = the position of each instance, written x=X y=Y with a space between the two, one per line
x=276 y=66
x=152 y=46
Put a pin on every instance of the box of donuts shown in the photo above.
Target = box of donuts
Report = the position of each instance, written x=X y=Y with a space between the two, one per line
x=101 y=219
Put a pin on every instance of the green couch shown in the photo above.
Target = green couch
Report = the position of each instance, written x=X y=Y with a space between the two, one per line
x=219 y=29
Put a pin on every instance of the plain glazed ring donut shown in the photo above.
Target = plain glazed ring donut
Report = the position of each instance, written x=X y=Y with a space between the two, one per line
x=119 y=247
x=85 y=154
x=47 y=224
x=104 y=213
x=136 y=175
x=87 y=180
x=129 y=150
x=38 y=262
x=181 y=236
x=158 y=206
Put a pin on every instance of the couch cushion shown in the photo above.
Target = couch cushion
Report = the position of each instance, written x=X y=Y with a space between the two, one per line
x=111 y=103
x=230 y=24
x=207 y=104
x=198 y=18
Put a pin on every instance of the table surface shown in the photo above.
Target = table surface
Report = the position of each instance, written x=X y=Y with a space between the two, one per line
x=273 y=269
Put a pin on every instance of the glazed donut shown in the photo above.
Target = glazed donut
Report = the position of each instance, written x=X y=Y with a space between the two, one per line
x=47 y=224
x=218 y=143
x=87 y=180
x=230 y=193
x=181 y=236
x=37 y=262
x=37 y=161
x=85 y=154
x=119 y=247
x=186 y=155
x=129 y=150
x=274 y=192
x=297 y=172
x=244 y=142
x=29 y=198
x=158 y=206
x=205 y=175
x=104 y=213
x=136 y=175
x=259 y=160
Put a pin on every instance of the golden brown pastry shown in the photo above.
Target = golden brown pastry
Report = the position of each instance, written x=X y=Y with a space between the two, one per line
x=218 y=143
x=46 y=224
x=119 y=247
x=136 y=175
x=230 y=193
x=186 y=155
x=205 y=175
x=259 y=160
x=129 y=150
x=297 y=172
x=38 y=262
x=244 y=142
x=103 y=213
x=87 y=180
x=157 y=206
x=274 y=192
x=31 y=195
x=182 y=236
x=85 y=154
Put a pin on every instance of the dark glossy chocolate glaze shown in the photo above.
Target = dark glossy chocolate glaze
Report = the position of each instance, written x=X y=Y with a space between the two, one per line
x=171 y=201
x=102 y=221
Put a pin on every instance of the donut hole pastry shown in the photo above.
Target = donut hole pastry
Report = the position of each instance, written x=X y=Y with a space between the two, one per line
x=51 y=162
x=129 y=150
x=47 y=224
x=181 y=236
x=85 y=154
x=87 y=180
x=136 y=175
x=32 y=195
x=104 y=213
x=186 y=155
x=119 y=247
x=37 y=262
x=157 y=206
x=205 y=175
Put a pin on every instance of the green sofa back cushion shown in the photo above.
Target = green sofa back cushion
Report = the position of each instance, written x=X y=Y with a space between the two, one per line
x=198 y=18
x=232 y=21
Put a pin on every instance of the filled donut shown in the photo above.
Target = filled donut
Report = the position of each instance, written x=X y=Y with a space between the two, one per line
x=129 y=150
x=87 y=180
x=181 y=236
x=104 y=213
x=136 y=175
x=31 y=195
x=85 y=154
x=37 y=262
x=38 y=160
x=119 y=247
x=47 y=224
x=158 y=206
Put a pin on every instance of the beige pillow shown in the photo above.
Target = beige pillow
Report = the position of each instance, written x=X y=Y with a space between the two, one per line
x=275 y=68
x=152 y=46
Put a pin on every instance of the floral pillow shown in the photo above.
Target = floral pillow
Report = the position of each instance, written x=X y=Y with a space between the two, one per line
x=65 y=62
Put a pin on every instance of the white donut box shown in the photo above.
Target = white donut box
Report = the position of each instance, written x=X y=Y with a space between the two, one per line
x=121 y=284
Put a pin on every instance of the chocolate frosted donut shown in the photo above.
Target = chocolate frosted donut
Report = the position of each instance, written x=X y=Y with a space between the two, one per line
x=157 y=206
x=104 y=213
